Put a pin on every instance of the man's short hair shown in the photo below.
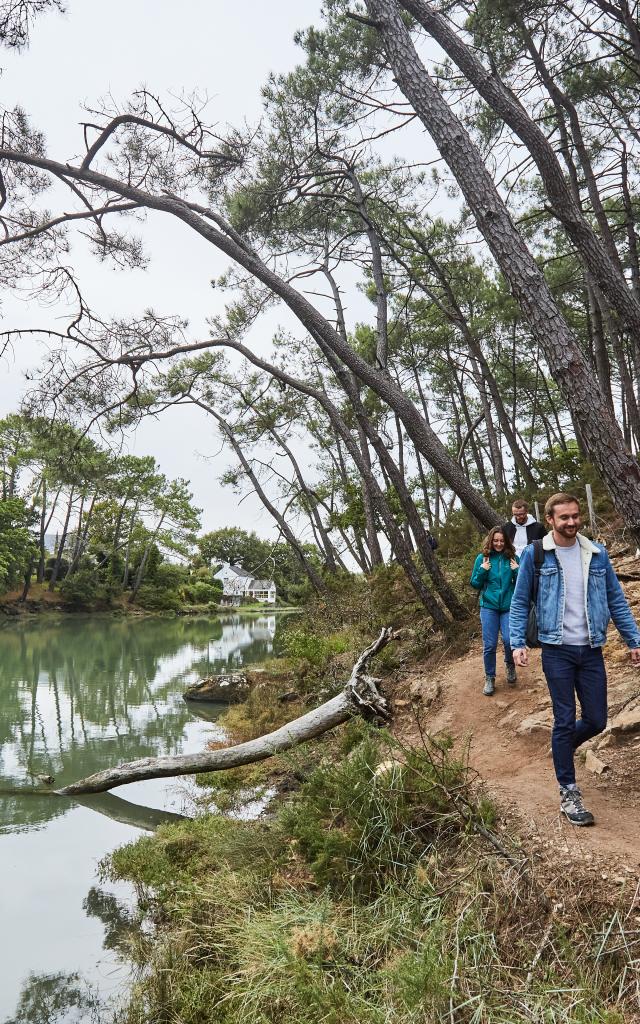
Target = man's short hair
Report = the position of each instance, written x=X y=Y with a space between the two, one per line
x=520 y=503
x=562 y=498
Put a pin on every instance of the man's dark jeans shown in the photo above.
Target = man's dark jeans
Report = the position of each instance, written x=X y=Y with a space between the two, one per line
x=570 y=671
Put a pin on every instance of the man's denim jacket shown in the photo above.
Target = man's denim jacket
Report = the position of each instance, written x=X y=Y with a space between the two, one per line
x=605 y=599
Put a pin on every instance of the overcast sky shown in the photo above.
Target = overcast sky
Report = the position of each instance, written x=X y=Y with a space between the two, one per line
x=223 y=49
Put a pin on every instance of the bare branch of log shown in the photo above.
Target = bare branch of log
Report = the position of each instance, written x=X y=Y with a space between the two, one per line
x=359 y=696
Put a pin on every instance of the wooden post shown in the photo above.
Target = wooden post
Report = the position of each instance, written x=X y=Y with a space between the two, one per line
x=592 y=515
x=537 y=508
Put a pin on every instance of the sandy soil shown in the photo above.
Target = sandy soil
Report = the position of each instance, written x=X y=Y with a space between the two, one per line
x=509 y=746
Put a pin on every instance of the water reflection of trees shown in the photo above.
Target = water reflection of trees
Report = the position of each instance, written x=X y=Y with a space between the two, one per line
x=53 y=998
x=80 y=694
x=49 y=998
x=120 y=924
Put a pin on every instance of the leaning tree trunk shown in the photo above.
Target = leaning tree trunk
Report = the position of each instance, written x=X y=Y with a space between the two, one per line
x=396 y=477
x=359 y=696
x=227 y=240
x=615 y=463
x=401 y=550
x=506 y=105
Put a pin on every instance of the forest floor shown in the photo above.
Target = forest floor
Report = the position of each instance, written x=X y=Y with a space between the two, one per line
x=508 y=739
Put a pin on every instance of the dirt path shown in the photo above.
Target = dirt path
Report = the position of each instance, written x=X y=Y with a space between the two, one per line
x=509 y=745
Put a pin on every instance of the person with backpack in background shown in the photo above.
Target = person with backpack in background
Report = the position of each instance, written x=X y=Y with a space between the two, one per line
x=494 y=575
x=575 y=591
x=522 y=528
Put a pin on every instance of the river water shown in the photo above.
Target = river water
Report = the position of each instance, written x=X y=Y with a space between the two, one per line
x=77 y=695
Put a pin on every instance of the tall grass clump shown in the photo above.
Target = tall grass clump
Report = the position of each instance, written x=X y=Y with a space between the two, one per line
x=363 y=820
x=384 y=891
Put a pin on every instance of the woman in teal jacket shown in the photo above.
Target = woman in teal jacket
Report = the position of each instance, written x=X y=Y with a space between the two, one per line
x=494 y=575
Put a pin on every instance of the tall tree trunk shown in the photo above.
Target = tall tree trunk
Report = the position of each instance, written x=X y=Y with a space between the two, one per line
x=324 y=544
x=363 y=558
x=26 y=587
x=397 y=480
x=55 y=571
x=127 y=555
x=470 y=435
x=600 y=432
x=507 y=106
x=495 y=451
x=377 y=272
x=601 y=356
x=381 y=506
x=116 y=538
x=83 y=535
x=375 y=553
x=401 y=469
x=559 y=432
x=42 y=555
x=142 y=568
x=630 y=225
x=425 y=490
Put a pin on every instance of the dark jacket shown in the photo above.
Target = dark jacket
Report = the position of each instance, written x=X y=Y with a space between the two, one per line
x=495 y=583
x=535 y=531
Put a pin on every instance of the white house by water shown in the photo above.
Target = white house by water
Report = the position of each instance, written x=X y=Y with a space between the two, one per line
x=238 y=583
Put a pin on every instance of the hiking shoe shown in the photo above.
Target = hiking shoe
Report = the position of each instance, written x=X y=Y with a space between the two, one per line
x=572 y=807
x=489 y=686
x=512 y=677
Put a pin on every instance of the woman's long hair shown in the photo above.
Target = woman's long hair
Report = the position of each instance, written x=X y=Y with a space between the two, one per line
x=487 y=544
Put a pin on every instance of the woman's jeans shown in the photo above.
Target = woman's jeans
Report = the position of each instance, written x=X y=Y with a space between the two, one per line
x=572 y=671
x=494 y=622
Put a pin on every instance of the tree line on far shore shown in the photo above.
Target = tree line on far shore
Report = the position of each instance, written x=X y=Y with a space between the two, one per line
x=98 y=527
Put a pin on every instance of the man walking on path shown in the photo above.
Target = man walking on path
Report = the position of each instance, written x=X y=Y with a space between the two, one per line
x=577 y=593
x=522 y=529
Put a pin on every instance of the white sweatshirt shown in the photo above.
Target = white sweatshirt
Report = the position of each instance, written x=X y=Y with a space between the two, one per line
x=520 y=540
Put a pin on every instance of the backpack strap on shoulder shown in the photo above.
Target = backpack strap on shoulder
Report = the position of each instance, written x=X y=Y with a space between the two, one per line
x=538 y=561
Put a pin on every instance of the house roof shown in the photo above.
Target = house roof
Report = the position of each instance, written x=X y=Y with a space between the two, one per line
x=263 y=585
x=239 y=571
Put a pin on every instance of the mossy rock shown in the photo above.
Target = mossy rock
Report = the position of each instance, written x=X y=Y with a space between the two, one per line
x=230 y=689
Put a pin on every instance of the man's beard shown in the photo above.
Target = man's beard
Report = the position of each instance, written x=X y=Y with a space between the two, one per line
x=567 y=531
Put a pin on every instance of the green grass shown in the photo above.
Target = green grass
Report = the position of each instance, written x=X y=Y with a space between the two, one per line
x=370 y=898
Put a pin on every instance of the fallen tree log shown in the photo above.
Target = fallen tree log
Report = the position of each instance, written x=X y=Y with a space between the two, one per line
x=359 y=696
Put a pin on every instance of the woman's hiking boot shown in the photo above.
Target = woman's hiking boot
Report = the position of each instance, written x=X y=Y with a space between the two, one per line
x=572 y=807
x=512 y=677
x=489 y=686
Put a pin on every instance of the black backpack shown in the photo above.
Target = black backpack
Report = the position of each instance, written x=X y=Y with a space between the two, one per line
x=532 y=621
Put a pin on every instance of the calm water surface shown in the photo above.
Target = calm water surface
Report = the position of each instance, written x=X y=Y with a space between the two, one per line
x=77 y=695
